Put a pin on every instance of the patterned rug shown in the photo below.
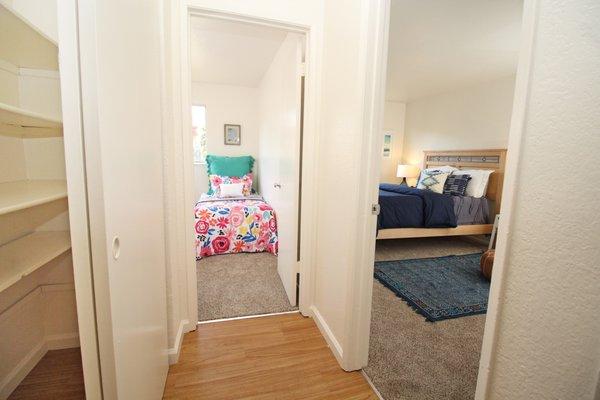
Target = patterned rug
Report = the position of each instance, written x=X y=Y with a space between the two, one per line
x=439 y=287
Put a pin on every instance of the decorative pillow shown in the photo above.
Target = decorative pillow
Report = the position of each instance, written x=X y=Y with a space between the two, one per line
x=228 y=166
x=432 y=180
x=231 y=189
x=479 y=180
x=216 y=181
x=456 y=185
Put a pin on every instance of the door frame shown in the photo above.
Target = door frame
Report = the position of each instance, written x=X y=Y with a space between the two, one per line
x=361 y=282
x=186 y=195
x=85 y=280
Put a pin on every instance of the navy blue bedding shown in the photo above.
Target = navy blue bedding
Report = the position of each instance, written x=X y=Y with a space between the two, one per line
x=406 y=207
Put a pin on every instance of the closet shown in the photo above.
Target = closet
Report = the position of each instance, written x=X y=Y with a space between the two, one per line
x=37 y=296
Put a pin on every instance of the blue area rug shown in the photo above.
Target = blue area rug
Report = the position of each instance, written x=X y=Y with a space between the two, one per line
x=440 y=287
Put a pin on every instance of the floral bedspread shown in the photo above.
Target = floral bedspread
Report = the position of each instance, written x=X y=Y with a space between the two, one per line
x=234 y=226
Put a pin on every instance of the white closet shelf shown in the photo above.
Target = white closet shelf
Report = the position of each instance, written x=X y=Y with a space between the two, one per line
x=23 y=44
x=21 y=257
x=18 y=122
x=15 y=196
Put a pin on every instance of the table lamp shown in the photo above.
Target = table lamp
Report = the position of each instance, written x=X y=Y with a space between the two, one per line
x=406 y=172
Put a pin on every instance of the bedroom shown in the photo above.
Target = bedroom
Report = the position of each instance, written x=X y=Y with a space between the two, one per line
x=449 y=94
x=246 y=139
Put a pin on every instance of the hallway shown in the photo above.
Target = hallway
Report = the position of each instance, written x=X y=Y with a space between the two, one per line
x=276 y=357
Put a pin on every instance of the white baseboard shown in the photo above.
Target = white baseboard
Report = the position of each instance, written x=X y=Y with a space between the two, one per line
x=190 y=325
x=333 y=343
x=176 y=349
x=39 y=343
x=370 y=382
x=20 y=371
x=62 y=341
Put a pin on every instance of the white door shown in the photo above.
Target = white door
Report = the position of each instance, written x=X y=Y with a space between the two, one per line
x=289 y=167
x=280 y=152
x=120 y=72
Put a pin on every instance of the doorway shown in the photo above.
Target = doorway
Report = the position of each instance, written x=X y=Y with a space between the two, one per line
x=446 y=119
x=246 y=96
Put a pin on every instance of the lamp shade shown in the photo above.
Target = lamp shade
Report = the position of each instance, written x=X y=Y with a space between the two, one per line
x=407 y=171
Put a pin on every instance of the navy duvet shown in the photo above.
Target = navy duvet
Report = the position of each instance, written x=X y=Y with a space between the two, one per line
x=406 y=207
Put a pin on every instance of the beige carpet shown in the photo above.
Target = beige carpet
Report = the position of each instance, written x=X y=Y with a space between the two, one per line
x=235 y=285
x=410 y=358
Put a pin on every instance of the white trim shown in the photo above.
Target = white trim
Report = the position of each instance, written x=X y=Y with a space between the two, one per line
x=519 y=112
x=46 y=343
x=39 y=73
x=62 y=341
x=212 y=321
x=57 y=287
x=330 y=338
x=176 y=349
x=16 y=376
x=370 y=382
x=311 y=97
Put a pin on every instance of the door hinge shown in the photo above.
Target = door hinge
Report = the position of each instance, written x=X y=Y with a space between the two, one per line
x=302 y=69
x=375 y=209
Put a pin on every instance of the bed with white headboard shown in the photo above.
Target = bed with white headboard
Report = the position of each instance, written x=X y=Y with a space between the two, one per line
x=489 y=159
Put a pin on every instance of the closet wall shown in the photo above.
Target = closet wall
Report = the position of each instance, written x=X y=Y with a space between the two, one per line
x=37 y=297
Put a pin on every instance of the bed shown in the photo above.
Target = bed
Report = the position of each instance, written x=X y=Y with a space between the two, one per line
x=411 y=213
x=234 y=225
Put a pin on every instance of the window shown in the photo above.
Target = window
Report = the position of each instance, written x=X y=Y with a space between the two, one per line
x=199 y=133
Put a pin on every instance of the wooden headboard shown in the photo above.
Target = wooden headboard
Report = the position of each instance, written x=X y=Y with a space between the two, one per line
x=494 y=159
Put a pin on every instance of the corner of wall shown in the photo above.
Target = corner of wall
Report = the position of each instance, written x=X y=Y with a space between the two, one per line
x=327 y=333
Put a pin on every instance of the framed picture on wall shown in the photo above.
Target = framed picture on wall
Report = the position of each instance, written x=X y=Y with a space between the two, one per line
x=233 y=134
x=387 y=145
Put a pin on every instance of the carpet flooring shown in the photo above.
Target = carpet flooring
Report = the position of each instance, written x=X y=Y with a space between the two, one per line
x=410 y=358
x=236 y=285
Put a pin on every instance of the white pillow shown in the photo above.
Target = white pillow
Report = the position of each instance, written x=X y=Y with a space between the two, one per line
x=231 y=189
x=479 y=181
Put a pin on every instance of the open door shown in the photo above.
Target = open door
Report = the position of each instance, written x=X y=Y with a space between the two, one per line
x=289 y=164
x=281 y=94
x=120 y=157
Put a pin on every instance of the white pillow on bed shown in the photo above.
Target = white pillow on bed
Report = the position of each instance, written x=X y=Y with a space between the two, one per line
x=231 y=190
x=477 y=186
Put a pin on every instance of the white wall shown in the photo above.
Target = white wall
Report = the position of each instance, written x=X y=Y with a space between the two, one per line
x=39 y=13
x=476 y=117
x=340 y=145
x=226 y=104
x=548 y=331
x=393 y=122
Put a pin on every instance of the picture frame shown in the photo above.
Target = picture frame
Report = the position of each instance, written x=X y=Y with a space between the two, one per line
x=232 y=134
x=387 y=145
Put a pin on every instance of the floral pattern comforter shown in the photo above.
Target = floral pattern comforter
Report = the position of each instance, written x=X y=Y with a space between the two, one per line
x=244 y=225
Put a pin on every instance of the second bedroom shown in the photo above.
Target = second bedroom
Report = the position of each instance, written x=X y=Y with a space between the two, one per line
x=246 y=95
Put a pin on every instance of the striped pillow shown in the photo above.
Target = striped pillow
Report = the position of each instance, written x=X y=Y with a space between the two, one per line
x=456 y=185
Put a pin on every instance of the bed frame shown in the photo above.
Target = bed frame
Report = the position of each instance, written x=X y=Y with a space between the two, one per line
x=463 y=159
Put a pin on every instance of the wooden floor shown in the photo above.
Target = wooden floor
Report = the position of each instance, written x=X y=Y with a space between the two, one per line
x=58 y=375
x=281 y=357
x=277 y=357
